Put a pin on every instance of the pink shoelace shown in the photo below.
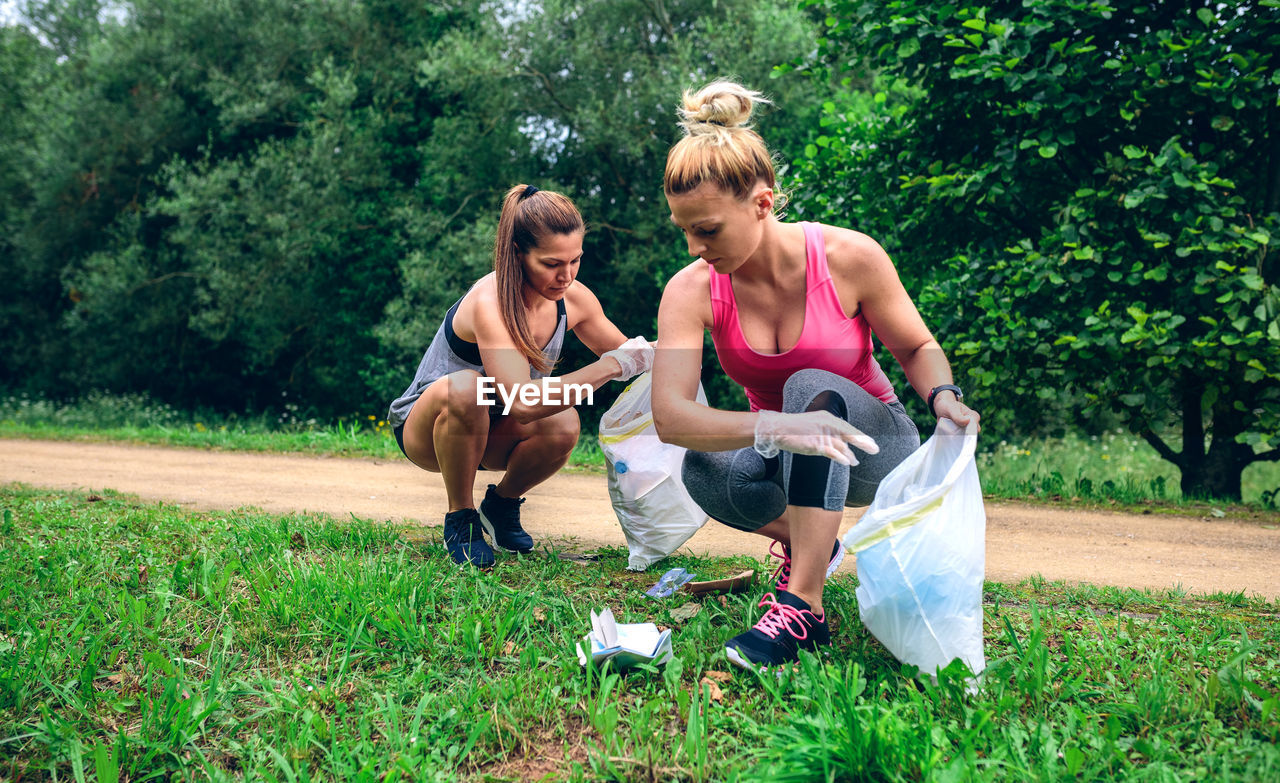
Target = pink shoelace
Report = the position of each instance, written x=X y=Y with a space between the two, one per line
x=782 y=576
x=781 y=617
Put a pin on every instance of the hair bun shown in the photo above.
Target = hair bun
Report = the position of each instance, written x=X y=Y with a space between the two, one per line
x=722 y=103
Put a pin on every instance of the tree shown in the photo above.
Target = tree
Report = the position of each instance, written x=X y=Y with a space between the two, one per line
x=593 y=88
x=1090 y=191
x=24 y=69
x=229 y=201
x=218 y=191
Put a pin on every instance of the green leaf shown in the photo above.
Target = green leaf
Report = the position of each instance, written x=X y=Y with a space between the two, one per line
x=908 y=48
x=1074 y=758
x=107 y=771
x=1048 y=150
x=1222 y=122
x=155 y=659
x=1206 y=16
x=975 y=24
x=1133 y=153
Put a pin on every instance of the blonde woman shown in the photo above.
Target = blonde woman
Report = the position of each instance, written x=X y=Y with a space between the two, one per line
x=791 y=308
x=481 y=397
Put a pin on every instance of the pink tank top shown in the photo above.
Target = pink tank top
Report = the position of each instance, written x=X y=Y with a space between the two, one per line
x=829 y=340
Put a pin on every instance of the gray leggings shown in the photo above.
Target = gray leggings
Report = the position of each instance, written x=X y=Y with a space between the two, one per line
x=745 y=490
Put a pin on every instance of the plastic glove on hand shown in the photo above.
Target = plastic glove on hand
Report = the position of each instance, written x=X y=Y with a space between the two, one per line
x=634 y=357
x=818 y=433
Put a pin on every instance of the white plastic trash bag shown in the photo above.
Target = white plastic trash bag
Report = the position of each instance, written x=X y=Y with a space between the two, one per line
x=921 y=554
x=655 y=510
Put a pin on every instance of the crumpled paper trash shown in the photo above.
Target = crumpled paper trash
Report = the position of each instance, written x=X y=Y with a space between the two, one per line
x=625 y=644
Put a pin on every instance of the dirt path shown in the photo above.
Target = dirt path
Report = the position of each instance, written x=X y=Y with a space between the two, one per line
x=1022 y=540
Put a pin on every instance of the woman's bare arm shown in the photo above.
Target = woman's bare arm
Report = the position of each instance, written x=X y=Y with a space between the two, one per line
x=683 y=316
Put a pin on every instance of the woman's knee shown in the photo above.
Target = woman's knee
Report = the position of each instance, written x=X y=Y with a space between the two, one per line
x=812 y=389
x=462 y=403
x=561 y=430
x=803 y=385
x=735 y=488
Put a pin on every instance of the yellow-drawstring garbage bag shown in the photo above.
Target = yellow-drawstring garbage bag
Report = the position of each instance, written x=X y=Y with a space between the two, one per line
x=921 y=548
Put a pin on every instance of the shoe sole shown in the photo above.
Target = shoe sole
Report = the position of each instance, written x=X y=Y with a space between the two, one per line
x=836 y=561
x=488 y=528
x=738 y=659
x=741 y=661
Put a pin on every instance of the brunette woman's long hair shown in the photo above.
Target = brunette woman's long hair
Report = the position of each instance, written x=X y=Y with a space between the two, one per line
x=528 y=216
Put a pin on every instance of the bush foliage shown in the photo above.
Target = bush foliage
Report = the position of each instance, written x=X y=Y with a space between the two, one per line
x=1086 y=195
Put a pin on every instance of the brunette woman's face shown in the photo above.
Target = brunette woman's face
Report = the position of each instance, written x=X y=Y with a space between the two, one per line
x=551 y=267
x=719 y=227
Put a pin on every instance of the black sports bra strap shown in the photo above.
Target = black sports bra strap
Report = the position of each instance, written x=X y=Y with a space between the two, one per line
x=470 y=352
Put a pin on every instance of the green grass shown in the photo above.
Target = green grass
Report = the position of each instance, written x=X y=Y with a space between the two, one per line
x=137 y=419
x=142 y=641
x=1115 y=468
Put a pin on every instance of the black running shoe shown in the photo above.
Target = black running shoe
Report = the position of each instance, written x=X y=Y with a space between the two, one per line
x=501 y=519
x=786 y=628
x=782 y=576
x=464 y=540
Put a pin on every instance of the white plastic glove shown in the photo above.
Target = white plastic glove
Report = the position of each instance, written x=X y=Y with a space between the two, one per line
x=819 y=433
x=634 y=357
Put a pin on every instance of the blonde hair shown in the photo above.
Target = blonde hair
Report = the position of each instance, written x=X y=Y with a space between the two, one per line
x=528 y=216
x=718 y=145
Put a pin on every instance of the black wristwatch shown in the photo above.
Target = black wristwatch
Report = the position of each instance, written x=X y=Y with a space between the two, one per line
x=944 y=387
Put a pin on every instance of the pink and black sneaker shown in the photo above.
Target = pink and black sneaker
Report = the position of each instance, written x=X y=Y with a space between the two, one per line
x=782 y=576
x=786 y=628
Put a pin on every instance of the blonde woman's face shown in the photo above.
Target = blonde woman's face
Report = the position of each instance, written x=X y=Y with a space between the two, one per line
x=552 y=266
x=718 y=227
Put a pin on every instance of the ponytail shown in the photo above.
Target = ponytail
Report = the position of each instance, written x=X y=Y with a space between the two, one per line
x=528 y=216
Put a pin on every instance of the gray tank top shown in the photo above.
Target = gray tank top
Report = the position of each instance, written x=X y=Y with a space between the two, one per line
x=449 y=353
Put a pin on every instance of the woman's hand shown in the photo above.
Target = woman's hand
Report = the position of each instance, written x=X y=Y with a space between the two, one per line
x=633 y=357
x=946 y=406
x=819 y=433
